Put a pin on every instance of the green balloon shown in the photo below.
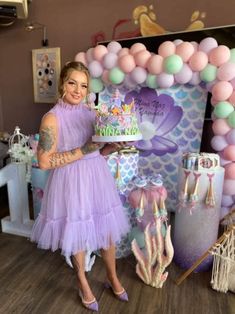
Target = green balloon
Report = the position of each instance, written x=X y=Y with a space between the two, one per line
x=223 y=109
x=116 y=76
x=232 y=55
x=151 y=81
x=231 y=119
x=96 y=85
x=172 y=64
x=208 y=74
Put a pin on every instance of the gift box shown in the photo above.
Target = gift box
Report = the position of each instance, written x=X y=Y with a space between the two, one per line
x=124 y=166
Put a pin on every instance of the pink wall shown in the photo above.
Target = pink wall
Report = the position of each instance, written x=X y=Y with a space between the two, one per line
x=70 y=26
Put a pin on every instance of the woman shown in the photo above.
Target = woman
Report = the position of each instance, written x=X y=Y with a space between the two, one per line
x=81 y=209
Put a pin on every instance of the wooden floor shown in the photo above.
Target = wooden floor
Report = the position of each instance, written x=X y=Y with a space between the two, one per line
x=38 y=281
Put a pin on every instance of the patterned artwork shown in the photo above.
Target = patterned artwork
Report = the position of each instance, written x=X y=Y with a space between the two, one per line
x=46 y=69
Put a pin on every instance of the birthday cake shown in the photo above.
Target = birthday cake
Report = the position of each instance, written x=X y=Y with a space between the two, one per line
x=116 y=121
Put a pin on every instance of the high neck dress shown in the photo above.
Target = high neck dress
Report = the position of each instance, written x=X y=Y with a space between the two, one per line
x=81 y=209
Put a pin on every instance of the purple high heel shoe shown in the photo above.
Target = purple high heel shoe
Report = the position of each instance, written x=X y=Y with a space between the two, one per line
x=122 y=295
x=91 y=305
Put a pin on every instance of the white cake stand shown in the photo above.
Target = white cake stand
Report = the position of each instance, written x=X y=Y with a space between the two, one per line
x=117 y=138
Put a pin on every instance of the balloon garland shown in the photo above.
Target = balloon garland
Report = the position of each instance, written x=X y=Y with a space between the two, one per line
x=177 y=62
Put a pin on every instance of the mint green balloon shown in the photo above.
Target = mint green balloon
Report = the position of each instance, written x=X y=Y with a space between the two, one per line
x=116 y=76
x=231 y=120
x=151 y=81
x=96 y=85
x=208 y=74
x=172 y=64
x=223 y=109
x=232 y=55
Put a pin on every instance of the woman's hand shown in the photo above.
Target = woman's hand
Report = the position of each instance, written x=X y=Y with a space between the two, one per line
x=90 y=147
x=110 y=148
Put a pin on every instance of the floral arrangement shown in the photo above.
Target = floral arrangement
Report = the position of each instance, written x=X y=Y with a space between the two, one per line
x=20 y=151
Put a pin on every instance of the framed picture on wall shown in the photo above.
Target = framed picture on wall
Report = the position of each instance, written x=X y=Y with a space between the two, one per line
x=46 y=71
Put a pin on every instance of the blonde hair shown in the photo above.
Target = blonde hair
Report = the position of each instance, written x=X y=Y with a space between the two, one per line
x=68 y=68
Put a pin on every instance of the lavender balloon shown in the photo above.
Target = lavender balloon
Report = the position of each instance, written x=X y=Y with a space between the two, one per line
x=207 y=44
x=114 y=47
x=95 y=69
x=139 y=75
x=230 y=137
x=185 y=75
x=128 y=82
x=165 y=80
x=195 y=79
x=210 y=85
x=110 y=60
x=227 y=200
x=218 y=143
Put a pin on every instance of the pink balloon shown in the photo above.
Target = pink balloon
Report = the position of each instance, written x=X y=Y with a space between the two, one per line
x=81 y=57
x=218 y=142
x=154 y=64
x=126 y=63
x=214 y=101
x=195 y=80
x=207 y=44
x=229 y=153
x=142 y=57
x=123 y=52
x=230 y=171
x=167 y=48
x=105 y=77
x=229 y=187
x=165 y=80
x=99 y=52
x=230 y=137
x=110 y=60
x=232 y=98
x=219 y=55
x=198 y=61
x=136 y=48
x=89 y=55
x=220 y=127
x=185 y=50
x=223 y=161
x=195 y=45
x=95 y=68
x=222 y=90
x=138 y=75
x=226 y=71
x=114 y=47
x=185 y=75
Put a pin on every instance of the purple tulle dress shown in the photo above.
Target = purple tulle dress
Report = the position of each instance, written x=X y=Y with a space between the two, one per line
x=81 y=209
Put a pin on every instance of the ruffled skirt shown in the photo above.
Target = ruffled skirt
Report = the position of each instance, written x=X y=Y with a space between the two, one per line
x=81 y=208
